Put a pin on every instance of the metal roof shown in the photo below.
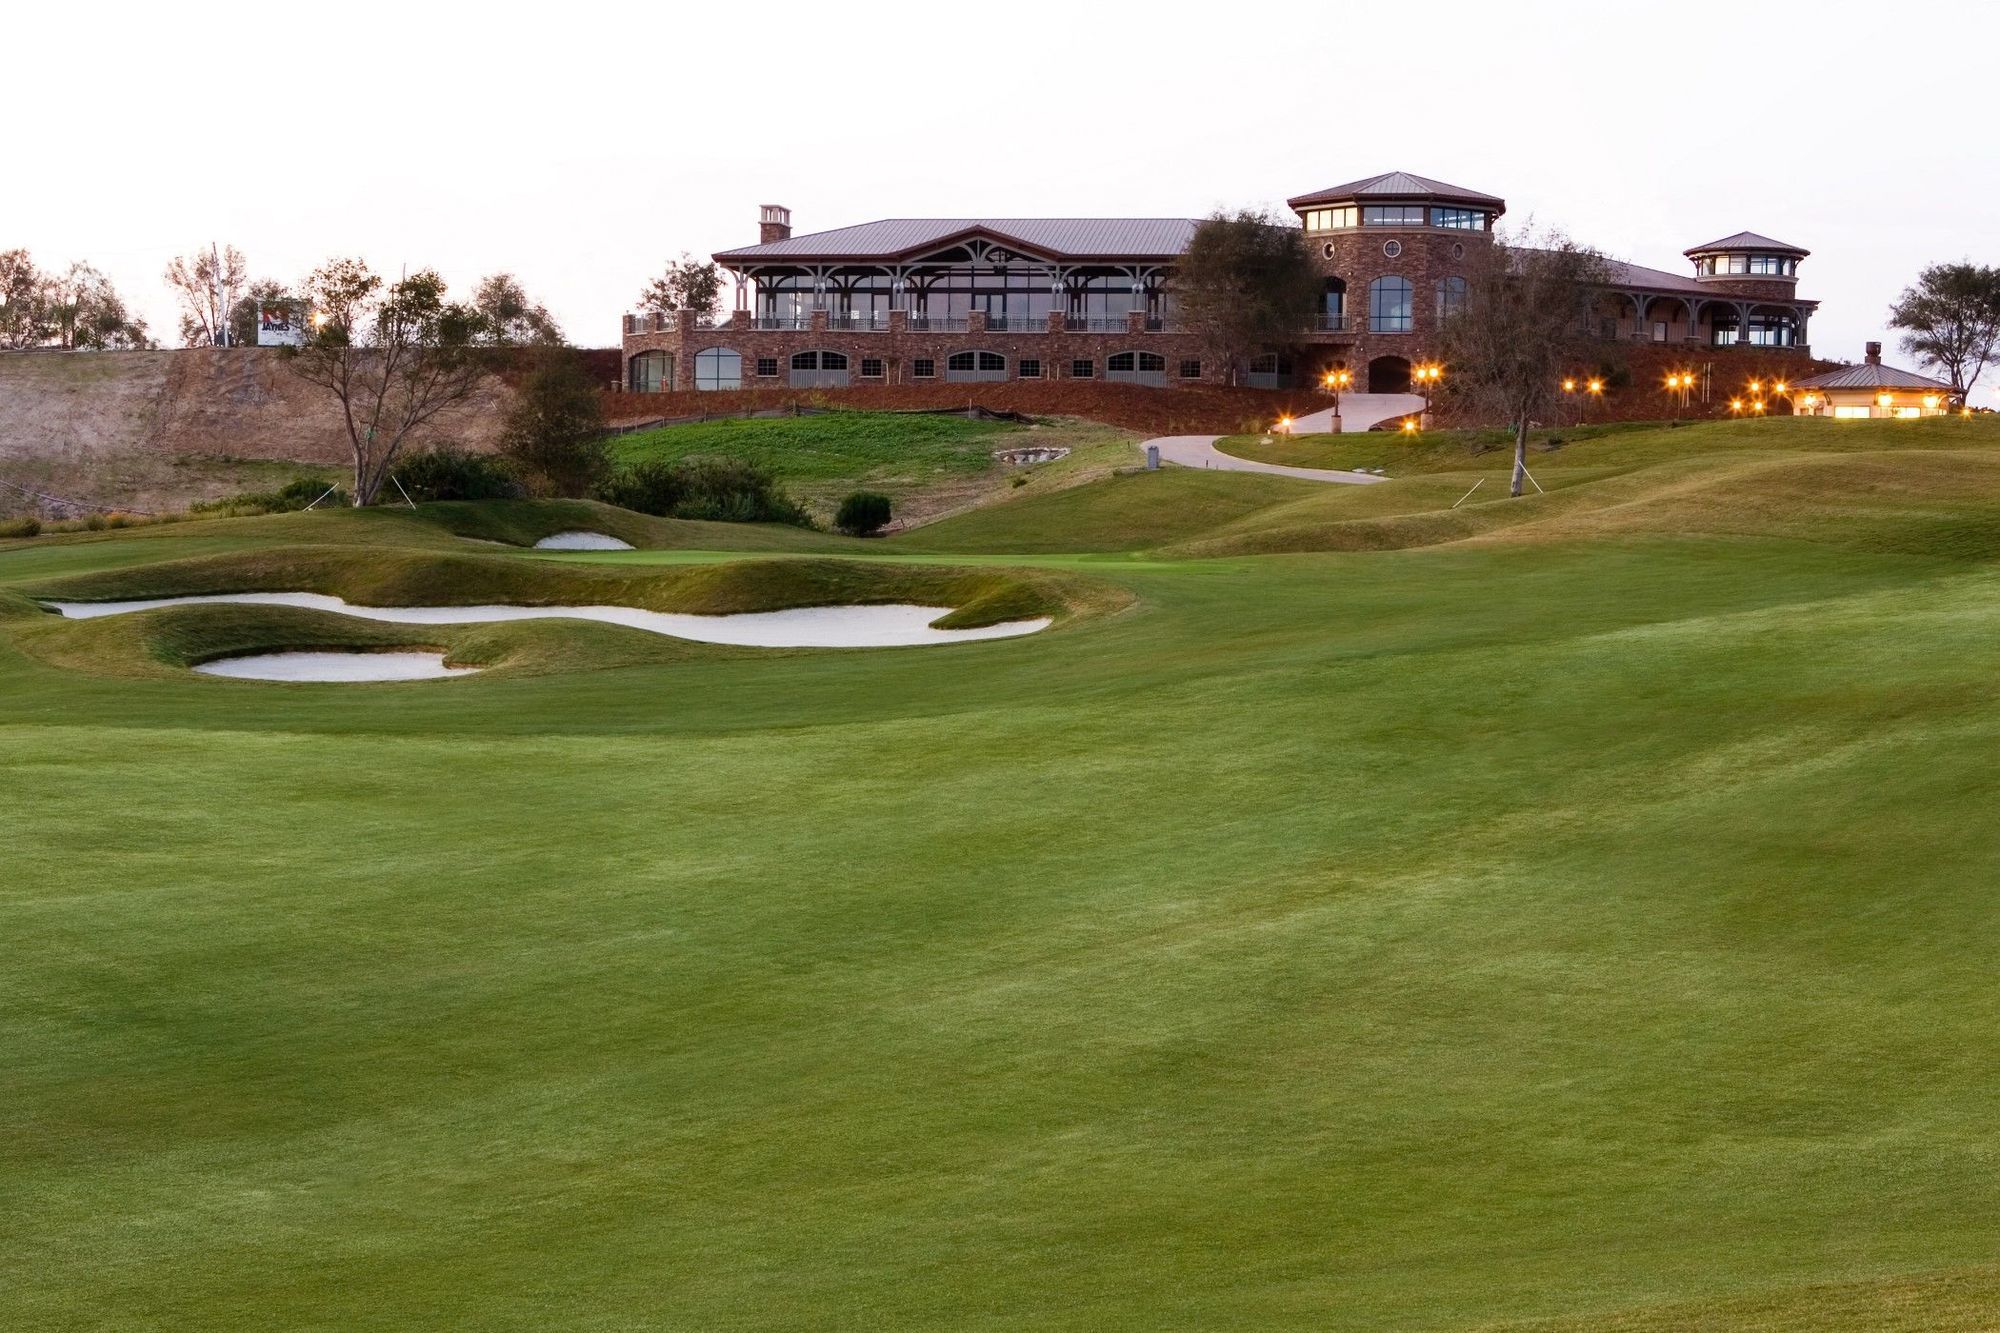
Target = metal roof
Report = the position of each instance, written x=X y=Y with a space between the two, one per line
x=1867 y=376
x=1055 y=238
x=1747 y=240
x=1399 y=185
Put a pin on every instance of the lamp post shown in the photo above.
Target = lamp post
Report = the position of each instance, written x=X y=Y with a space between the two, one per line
x=1427 y=378
x=1337 y=380
x=1680 y=382
x=1569 y=391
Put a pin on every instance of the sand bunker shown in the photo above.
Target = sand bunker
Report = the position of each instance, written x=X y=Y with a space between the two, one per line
x=334 y=666
x=582 y=541
x=804 y=627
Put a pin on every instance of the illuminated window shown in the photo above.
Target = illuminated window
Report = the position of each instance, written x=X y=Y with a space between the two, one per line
x=1393 y=215
x=1460 y=219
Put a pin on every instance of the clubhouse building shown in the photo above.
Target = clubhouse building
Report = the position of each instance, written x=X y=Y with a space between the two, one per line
x=971 y=300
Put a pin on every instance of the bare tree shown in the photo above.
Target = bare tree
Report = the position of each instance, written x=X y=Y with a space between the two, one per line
x=1525 y=322
x=1951 y=320
x=511 y=318
x=394 y=356
x=685 y=286
x=243 y=316
x=207 y=283
x=1245 y=283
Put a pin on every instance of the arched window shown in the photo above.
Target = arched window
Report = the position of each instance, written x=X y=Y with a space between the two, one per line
x=819 y=361
x=718 y=368
x=975 y=366
x=1451 y=293
x=1391 y=305
x=1137 y=361
x=652 y=372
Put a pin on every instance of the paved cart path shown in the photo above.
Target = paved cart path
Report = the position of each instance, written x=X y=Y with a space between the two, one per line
x=1200 y=451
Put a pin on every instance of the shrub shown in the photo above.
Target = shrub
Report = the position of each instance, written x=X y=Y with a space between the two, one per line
x=555 y=430
x=728 y=490
x=294 y=495
x=862 y=513
x=21 y=527
x=449 y=473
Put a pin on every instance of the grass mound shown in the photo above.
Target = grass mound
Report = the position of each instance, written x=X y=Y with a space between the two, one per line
x=1132 y=510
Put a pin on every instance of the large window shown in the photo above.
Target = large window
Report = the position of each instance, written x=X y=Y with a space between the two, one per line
x=1393 y=215
x=652 y=372
x=818 y=360
x=1763 y=266
x=1392 y=304
x=1330 y=219
x=987 y=361
x=1765 y=330
x=1459 y=219
x=1451 y=294
x=1130 y=361
x=718 y=368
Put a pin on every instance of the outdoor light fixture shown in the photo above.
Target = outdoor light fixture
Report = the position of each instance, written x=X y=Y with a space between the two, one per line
x=1885 y=399
x=1757 y=406
x=1736 y=405
x=1931 y=401
x=1569 y=386
x=1409 y=426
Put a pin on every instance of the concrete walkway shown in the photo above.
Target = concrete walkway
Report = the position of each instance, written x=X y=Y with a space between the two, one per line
x=1359 y=412
x=1199 y=451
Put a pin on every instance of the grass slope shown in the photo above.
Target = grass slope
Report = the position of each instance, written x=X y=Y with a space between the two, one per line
x=831 y=446
x=1576 y=926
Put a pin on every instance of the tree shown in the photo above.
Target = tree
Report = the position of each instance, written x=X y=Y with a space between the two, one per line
x=1246 y=282
x=394 y=356
x=511 y=318
x=207 y=283
x=1525 y=321
x=243 y=316
x=23 y=301
x=685 y=286
x=555 y=429
x=84 y=311
x=1951 y=320
x=862 y=513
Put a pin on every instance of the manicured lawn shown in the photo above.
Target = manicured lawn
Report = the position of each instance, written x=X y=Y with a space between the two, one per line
x=833 y=445
x=1584 y=922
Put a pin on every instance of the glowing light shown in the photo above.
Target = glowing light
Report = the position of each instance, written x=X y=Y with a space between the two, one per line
x=1409 y=426
x=1931 y=401
x=1757 y=406
x=1736 y=404
x=1569 y=386
x=1596 y=386
x=1755 y=385
x=1812 y=400
x=1778 y=386
x=1884 y=399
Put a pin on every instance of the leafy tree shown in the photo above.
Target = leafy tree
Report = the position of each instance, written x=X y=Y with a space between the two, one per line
x=207 y=284
x=555 y=430
x=243 y=316
x=686 y=286
x=1951 y=320
x=1525 y=321
x=1246 y=282
x=511 y=318
x=862 y=513
x=395 y=356
x=23 y=301
x=84 y=311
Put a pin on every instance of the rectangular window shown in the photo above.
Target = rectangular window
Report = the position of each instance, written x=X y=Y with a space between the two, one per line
x=1082 y=370
x=923 y=368
x=1031 y=369
x=871 y=367
x=1850 y=413
x=1190 y=370
x=1393 y=215
x=1461 y=219
x=767 y=366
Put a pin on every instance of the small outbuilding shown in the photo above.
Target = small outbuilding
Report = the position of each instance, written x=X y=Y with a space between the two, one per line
x=1872 y=389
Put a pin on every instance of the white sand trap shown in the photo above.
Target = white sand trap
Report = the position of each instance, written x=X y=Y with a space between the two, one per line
x=805 y=627
x=582 y=541
x=334 y=666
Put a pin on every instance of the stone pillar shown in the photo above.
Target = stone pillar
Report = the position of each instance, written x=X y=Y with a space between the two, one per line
x=1135 y=321
x=975 y=321
x=1742 y=324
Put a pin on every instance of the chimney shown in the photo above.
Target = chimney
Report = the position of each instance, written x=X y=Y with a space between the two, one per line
x=1874 y=354
x=774 y=223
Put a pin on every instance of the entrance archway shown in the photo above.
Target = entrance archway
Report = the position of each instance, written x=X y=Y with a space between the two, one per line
x=1388 y=374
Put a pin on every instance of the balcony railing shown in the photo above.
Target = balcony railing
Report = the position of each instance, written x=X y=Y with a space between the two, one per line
x=1095 y=324
x=938 y=323
x=1017 y=323
x=1324 y=323
x=867 y=322
x=781 y=322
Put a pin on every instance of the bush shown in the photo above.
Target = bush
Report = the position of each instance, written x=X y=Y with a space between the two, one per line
x=21 y=527
x=555 y=430
x=863 y=513
x=450 y=473
x=728 y=490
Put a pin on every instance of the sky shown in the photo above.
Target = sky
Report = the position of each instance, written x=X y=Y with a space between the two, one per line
x=581 y=147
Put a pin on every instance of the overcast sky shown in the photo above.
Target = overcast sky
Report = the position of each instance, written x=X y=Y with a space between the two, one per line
x=582 y=146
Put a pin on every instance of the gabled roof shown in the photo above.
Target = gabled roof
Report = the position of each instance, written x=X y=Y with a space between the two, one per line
x=1865 y=376
x=1055 y=238
x=1399 y=185
x=1747 y=240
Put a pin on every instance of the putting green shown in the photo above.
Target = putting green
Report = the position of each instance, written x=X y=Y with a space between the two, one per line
x=1576 y=916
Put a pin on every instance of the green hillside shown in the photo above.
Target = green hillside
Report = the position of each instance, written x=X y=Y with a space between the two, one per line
x=1353 y=912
